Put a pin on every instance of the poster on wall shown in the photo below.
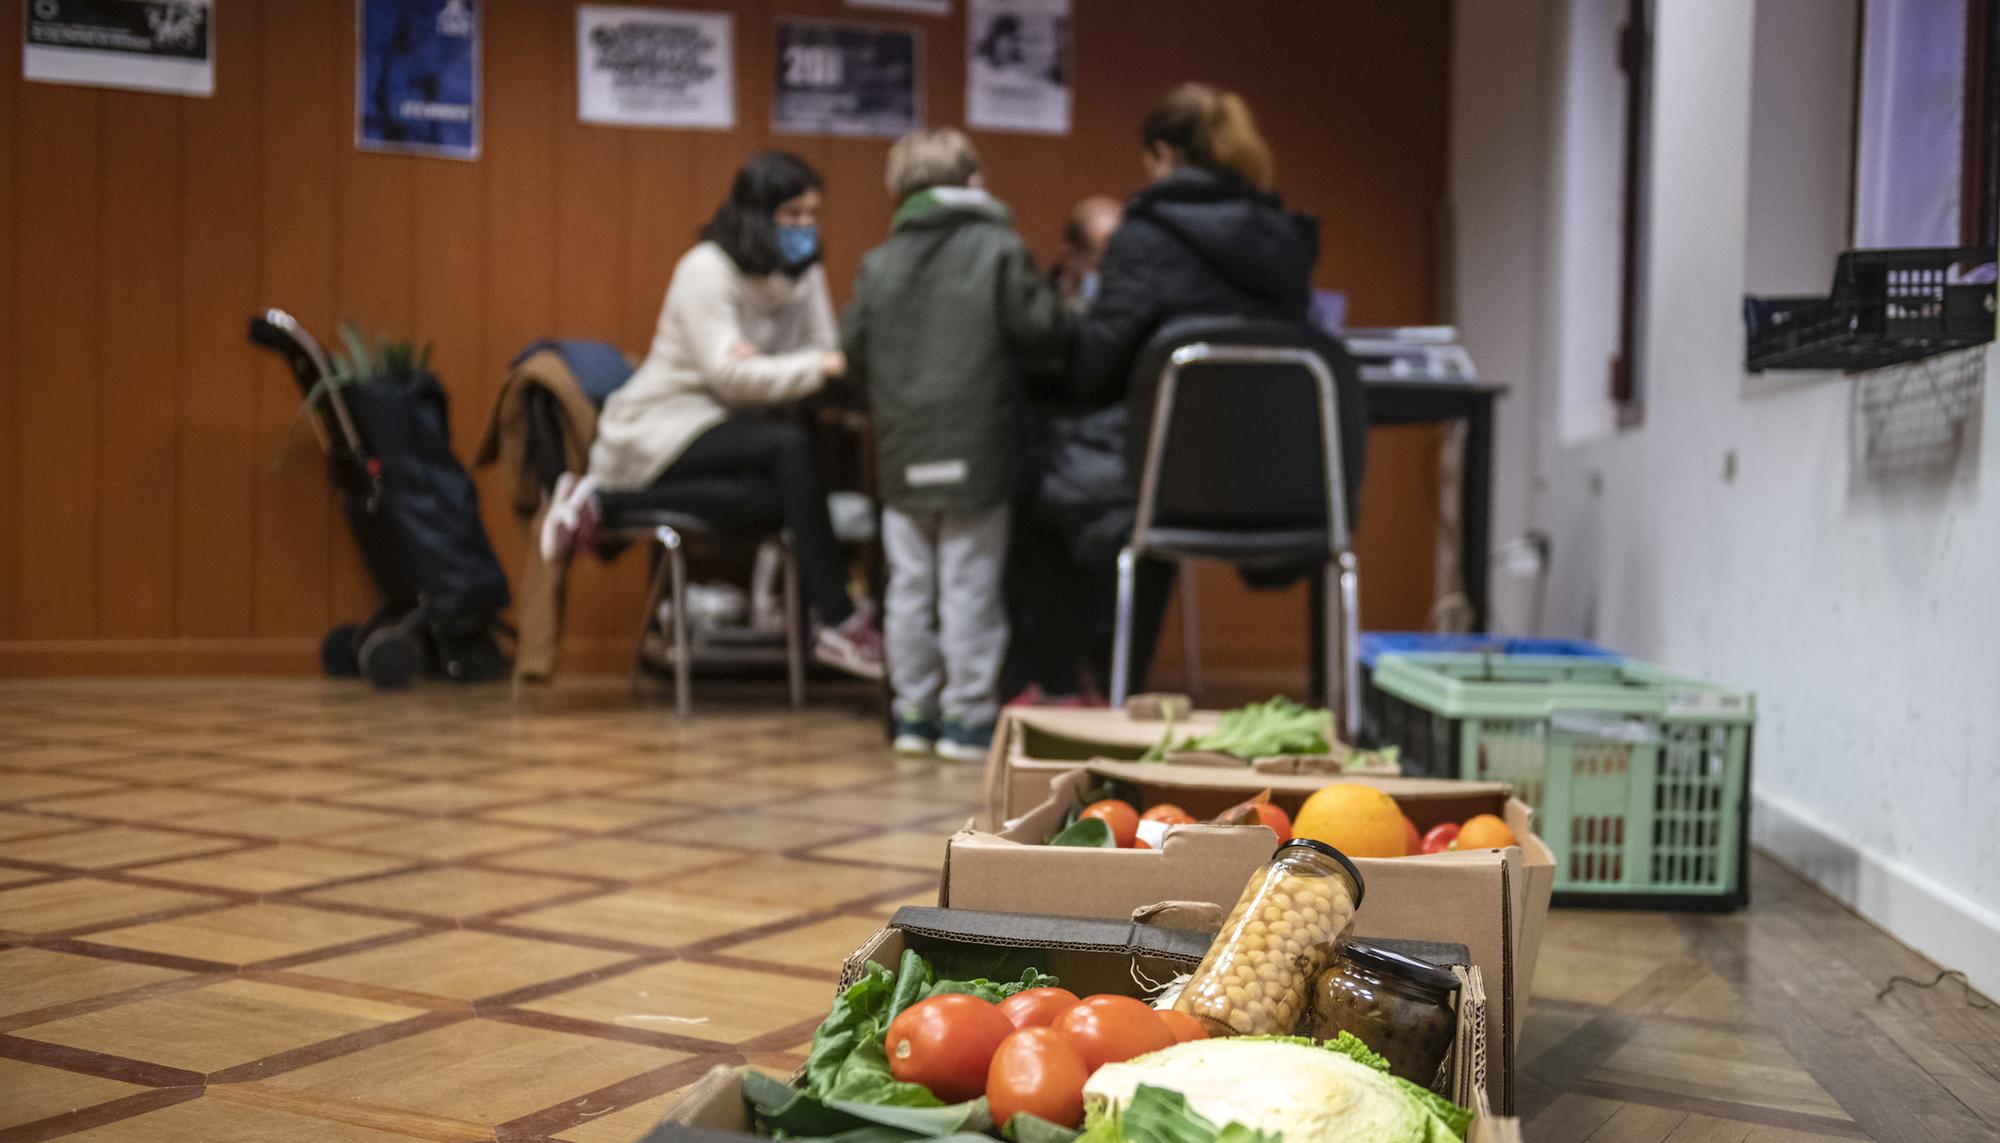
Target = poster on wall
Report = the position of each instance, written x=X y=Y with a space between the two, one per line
x=655 y=67
x=1018 y=69
x=139 y=45
x=927 y=7
x=837 y=78
x=416 y=83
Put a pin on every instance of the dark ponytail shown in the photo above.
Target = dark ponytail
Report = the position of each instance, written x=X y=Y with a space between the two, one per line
x=743 y=226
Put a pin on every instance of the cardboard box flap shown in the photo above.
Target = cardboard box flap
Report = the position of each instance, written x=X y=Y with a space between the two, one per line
x=1023 y=930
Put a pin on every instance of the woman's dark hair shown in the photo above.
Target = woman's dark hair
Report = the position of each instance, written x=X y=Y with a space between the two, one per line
x=743 y=226
x=1214 y=130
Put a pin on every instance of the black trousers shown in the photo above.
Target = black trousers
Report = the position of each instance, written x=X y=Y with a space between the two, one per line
x=1063 y=612
x=779 y=452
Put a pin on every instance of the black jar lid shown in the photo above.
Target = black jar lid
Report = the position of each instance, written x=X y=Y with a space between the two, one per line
x=1325 y=850
x=1423 y=974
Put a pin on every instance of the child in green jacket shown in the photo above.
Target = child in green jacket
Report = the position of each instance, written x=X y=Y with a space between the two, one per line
x=944 y=316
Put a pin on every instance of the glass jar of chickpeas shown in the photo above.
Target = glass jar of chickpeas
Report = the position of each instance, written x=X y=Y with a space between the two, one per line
x=1292 y=921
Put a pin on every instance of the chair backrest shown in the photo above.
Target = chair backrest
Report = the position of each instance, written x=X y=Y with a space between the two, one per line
x=1245 y=443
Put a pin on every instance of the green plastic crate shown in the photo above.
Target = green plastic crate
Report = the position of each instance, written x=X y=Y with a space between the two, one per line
x=1639 y=777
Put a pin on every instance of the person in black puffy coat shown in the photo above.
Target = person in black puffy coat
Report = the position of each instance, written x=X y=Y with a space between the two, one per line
x=1207 y=237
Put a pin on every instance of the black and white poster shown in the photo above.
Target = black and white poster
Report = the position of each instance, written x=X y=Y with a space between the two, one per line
x=926 y=7
x=1018 y=73
x=416 y=83
x=655 y=67
x=838 y=78
x=141 y=45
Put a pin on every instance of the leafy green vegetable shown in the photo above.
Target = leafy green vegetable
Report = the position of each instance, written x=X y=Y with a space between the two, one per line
x=1027 y=1128
x=1156 y=1115
x=1260 y=730
x=847 y=1063
x=847 y=1060
x=787 y=1111
x=1090 y=833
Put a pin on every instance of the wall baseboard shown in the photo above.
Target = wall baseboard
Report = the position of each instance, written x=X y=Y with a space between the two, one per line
x=1932 y=919
x=75 y=658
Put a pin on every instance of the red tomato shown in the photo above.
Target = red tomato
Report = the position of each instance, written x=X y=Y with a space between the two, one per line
x=1036 y=1071
x=945 y=1044
x=1169 y=813
x=1110 y=1029
x=1279 y=821
x=1183 y=1026
x=1120 y=816
x=1415 y=839
x=1037 y=1007
x=1440 y=837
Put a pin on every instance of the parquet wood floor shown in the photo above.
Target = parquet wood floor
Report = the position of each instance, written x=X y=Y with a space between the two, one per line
x=295 y=910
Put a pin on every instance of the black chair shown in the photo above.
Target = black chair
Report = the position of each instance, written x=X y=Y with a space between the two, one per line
x=1249 y=439
x=667 y=515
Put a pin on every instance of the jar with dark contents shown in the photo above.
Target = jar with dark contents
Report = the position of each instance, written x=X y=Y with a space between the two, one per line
x=1398 y=1005
x=1291 y=922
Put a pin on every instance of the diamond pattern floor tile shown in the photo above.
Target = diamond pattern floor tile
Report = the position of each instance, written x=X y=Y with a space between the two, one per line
x=247 y=934
x=450 y=892
x=81 y=902
x=706 y=1002
x=208 y=1029
x=34 y=1092
x=32 y=979
x=462 y=964
x=479 y=1071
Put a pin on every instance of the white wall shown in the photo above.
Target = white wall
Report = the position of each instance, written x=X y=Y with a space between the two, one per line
x=1865 y=615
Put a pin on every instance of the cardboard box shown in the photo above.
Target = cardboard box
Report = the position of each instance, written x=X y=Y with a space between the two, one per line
x=1089 y=956
x=1032 y=745
x=1493 y=901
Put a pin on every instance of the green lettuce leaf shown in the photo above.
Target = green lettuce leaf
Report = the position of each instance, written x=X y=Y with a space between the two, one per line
x=1090 y=833
x=1452 y=1118
x=848 y=1063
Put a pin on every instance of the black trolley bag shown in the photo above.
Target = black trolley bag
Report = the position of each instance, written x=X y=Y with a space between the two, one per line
x=414 y=513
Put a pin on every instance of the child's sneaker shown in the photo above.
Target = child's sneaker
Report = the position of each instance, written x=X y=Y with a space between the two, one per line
x=962 y=743
x=916 y=737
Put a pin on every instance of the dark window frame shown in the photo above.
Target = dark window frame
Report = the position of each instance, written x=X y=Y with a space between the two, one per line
x=1979 y=191
x=1635 y=59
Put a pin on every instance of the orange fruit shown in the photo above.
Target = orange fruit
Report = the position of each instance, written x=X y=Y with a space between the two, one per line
x=1357 y=820
x=1484 y=831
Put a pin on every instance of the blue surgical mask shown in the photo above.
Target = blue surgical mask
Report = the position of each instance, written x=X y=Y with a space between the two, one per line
x=798 y=244
x=1087 y=287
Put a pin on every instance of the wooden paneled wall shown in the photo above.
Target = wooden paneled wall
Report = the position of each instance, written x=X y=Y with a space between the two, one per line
x=144 y=524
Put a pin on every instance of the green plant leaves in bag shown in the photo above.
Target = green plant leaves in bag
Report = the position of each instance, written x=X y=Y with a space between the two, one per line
x=1090 y=833
x=1027 y=1128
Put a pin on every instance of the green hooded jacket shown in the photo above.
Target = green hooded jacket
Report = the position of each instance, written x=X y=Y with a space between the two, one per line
x=944 y=317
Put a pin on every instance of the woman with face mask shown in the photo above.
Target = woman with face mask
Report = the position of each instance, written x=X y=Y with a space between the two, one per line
x=747 y=324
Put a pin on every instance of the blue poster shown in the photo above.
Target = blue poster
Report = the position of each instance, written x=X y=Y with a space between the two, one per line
x=416 y=86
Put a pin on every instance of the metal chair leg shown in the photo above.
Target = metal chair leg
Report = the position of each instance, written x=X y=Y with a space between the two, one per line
x=683 y=666
x=1121 y=635
x=654 y=593
x=1343 y=646
x=1190 y=628
x=795 y=661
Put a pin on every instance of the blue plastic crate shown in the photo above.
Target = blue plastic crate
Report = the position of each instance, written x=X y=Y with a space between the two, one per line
x=1375 y=644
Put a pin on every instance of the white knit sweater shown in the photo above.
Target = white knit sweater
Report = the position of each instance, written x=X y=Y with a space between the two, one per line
x=691 y=379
